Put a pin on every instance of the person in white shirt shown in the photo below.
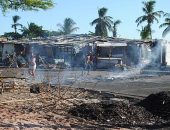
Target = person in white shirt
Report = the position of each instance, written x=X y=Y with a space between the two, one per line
x=32 y=64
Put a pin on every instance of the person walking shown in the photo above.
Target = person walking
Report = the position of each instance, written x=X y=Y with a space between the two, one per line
x=89 y=62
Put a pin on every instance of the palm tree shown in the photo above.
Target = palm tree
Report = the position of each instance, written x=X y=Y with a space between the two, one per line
x=150 y=16
x=32 y=30
x=115 y=24
x=103 y=23
x=67 y=27
x=91 y=33
x=166 y=24
x=15 y=22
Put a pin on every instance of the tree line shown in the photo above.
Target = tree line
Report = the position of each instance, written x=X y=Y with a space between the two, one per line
x=103 y=24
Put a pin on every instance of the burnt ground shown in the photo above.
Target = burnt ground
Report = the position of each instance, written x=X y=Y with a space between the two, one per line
x=102 y=80
x=89 y=102
x=131 y=115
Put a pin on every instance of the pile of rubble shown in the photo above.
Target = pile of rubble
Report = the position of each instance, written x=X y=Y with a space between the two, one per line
x=152 y=112
x=158 y=104
x=118 y=113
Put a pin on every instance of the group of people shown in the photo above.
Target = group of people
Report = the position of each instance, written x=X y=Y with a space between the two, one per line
x=89 y=63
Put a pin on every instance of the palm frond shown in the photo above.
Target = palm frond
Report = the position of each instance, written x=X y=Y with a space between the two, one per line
x=74 y=29
x=117 y=22
x=161 y=12
x=167 y=20
x=164 y=25
x=156 y=19
x=145 y=10
x=59 y=25
x=141 y=20
x=109 y=19
x=95 y=21
x=166 y=14
x=167 y=30
x=156 y=14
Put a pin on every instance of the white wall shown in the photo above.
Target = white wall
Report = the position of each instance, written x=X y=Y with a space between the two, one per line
x=168 y=53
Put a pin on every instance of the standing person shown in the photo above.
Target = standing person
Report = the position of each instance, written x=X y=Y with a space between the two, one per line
x=7 y=59
x=14 y=61
x=89 y=62
x=32 y=64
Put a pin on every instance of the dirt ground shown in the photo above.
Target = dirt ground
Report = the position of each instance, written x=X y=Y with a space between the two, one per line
x=83 y=102
x=47 y=110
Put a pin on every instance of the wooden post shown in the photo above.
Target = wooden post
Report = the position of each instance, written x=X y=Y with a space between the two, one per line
x=2 y=86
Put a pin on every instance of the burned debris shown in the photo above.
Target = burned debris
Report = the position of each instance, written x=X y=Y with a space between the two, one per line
x=158 y=104
x=71 y=51
x=148 y=113
x=118 y=114
x=60 y=89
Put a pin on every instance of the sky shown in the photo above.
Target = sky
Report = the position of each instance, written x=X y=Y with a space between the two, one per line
x=85 y=11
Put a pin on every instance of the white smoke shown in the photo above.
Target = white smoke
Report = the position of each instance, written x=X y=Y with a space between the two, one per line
x=149 y=58
x=168 y=53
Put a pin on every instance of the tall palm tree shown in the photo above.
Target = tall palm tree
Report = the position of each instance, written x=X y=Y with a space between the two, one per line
x=67 y=27
x=166 y=24
x=115 y=24
x=150 y=16
x=15 y=19
x=103 y=23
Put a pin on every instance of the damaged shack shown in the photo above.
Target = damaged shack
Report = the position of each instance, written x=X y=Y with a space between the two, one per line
x=111 y=53
x=71 y=51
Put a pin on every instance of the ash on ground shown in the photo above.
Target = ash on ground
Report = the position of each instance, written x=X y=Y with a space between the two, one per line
x=78 y=108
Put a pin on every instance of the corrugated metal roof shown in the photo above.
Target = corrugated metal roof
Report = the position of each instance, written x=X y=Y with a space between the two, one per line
x=78 y=39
